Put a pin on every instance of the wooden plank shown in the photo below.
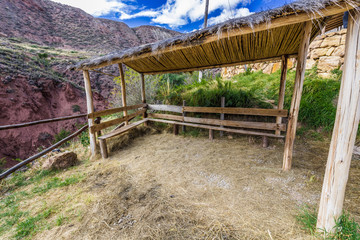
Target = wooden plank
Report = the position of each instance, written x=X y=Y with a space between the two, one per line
x=166 y=108
x=217 y=128
x=123 y=129
x=296 y=98
x=123 y=89
x=344 y=133
x=242 y=111
x=166 y=116
x=114 y=110
x=240 y=124
x=42 y=153
x=110 y=123
x=19 y=125
x=90 y=109
x=103 y=148
x=284 y=63
x=222 y=116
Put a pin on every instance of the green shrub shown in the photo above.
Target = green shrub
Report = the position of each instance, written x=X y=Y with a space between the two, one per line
x=75 y=108
x=61 y=135
x=84 y=138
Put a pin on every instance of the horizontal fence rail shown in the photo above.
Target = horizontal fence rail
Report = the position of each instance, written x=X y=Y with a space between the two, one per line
x=115 y=110
x=98 y=127
x=240 y=111
x=42 y=153
x=41 y=122
x=166 y=108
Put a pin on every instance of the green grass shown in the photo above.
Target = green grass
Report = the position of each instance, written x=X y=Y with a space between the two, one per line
x=345 y=227
x=25 y=223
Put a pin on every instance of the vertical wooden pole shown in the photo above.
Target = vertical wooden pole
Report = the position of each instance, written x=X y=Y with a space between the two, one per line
x=284 y=63
x=123 y=89
x=143 y=97
x=90 y=109
x=344 y=133
x=222 y=115
x=176 y=129
x=184 y=114
x=211 y=134
x=296 y=98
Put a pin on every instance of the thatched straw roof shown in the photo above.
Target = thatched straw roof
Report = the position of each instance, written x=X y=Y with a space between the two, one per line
x=258 y=37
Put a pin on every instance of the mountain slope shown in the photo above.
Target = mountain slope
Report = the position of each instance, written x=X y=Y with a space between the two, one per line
x=59 y=25
x=39 y=39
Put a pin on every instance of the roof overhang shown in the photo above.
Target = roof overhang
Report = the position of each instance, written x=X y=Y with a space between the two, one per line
x=259 y=37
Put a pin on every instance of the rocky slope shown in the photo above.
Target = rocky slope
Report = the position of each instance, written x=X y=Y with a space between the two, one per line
x=39 y=40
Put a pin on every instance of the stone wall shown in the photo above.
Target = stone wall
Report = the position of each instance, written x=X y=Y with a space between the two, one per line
x=326 y=52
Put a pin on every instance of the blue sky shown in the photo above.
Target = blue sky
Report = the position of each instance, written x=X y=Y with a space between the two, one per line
x=179 y=15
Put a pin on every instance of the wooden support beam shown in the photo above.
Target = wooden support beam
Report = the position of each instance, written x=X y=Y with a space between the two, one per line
x=123 y=89
x=176 y=129
x=296 y=98
x=90 y=109
x=184 y=115
x=265 y=142
x=284 y=64
x=222 y=115
x=143 y=96
x=240 y=111
x=344 y=133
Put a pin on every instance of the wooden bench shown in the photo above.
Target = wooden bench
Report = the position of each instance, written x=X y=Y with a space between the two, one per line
x=102 y=139
x=256 y=128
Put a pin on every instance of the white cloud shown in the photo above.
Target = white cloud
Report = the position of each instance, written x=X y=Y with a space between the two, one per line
x=179 y=12
x=145 y=13
x=98 y=7
x=227 y=14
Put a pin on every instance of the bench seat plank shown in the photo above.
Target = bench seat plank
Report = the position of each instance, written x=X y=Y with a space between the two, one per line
x=122 y=130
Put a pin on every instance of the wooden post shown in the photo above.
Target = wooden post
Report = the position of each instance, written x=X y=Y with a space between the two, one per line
x=265 y=141
x=184 y=114
x=344 y=133
x=143 y=98
x=296 y=98
x=123 y=89
x=90 y=109
x=222 y=115
x=211 y=134
x=284 y=63
x=176 y=129
x=103 y=148
x=98 y=121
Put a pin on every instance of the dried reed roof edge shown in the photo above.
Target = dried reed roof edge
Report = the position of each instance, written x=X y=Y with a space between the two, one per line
x=312 y=8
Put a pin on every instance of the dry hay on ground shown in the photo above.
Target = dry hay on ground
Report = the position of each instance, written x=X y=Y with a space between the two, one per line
x=163 y=186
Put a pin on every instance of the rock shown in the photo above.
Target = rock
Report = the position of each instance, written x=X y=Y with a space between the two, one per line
x=339 y=51
x=330 y=51
x=315 y=44
x=319 y=52
x=310 y=63
x=61 y=161
x=326 y=64
x=268 y=68
x=333 y=41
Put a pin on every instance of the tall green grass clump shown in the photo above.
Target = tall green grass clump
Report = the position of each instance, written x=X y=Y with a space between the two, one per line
x=345 y=227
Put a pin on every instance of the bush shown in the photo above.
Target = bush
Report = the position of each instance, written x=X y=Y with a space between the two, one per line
x=61 y=135
x=84 y=138
x=75 y=108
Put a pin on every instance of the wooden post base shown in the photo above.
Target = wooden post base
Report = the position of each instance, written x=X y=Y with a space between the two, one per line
x=265 y=142
x=211 y=134
x=103 y=148
x=176 y=129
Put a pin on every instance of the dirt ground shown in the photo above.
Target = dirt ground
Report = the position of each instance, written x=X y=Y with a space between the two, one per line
x=161 y=186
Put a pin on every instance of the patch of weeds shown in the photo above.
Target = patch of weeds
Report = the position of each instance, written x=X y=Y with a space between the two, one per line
x=191 y=132
x=60 y=220
x=55 y=183
x=307 y=218
x=84 y=138
x=31 y=224
x=61 y=135
x=345 y=227
x=75 y=108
